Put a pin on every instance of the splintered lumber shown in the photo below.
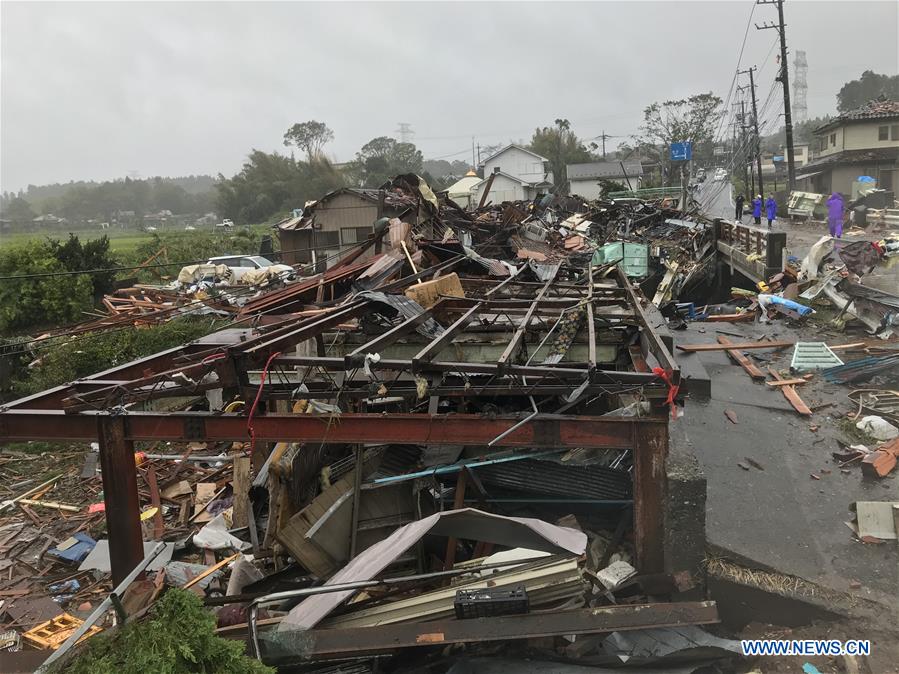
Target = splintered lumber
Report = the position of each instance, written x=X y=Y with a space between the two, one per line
x=787 y=382
x=212 y=569
x=740 y=346
x=731 y=318
x=741 y=359
x=790 y=394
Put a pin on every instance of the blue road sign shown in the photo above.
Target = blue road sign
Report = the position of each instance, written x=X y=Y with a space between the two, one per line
x=682 y=151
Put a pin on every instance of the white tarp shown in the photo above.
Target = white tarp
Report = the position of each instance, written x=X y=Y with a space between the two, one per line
x=195 y=273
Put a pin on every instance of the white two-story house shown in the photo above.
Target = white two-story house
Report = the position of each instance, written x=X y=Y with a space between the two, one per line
x=518 y=174
x=862 y=142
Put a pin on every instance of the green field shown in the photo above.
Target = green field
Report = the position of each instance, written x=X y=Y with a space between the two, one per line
x=123 y=243
x=120 y=242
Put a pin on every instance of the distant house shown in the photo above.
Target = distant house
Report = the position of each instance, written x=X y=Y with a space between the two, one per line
x=50 y=220
x=461 y=190
x=862 y=142
x=517 y=174
x=337 y=220
x=584 y=179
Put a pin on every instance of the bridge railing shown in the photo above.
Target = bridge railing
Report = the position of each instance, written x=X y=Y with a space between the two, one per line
x=755 y=249
x=649 y=194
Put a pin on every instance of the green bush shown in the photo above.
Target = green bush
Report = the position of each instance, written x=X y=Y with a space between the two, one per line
x=39 y=301
x=86 y=354
x=178 y=638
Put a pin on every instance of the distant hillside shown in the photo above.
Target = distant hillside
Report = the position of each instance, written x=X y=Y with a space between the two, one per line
x=91 y=200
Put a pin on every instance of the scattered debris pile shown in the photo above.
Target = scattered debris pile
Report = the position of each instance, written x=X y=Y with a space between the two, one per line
x=420 y=437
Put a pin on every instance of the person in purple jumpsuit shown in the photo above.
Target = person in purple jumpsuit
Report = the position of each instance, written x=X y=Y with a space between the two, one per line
x=835 y=215
x=757 y=209
x=770 y=210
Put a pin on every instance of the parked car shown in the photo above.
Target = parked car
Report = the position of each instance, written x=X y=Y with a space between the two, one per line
x=190 y=228
x=241 y=264
x=225 y=223
x=720 y=174
x=700 y=175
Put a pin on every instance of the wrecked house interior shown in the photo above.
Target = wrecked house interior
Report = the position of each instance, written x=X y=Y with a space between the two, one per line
x=448 y=442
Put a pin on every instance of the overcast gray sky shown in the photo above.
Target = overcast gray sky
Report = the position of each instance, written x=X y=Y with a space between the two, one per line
x=97 y=90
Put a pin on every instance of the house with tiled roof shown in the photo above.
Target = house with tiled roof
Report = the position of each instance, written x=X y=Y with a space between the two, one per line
x=862 y=142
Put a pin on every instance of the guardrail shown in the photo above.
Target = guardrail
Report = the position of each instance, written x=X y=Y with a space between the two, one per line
x=648 y=193
x=757 y=252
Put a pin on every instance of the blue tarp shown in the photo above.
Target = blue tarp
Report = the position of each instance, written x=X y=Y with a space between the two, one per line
x=77 y=552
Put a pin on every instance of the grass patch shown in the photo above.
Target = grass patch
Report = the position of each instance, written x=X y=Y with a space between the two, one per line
x=854 y=435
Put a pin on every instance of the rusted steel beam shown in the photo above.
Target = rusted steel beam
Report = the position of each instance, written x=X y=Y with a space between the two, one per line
x=446 y=389
x=126 y=546
x=293 y=336
x=654 y=343
x=438 y=344
x=320 y=643
x=403 y=429
x=357 y=356
x=518 y=336
x=650 y=491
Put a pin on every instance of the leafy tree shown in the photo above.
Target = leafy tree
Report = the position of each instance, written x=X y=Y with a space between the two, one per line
x=803 y=132
x=18 y=210
x=607 y=186
x=561 y=147
x=382 y=158
x=866 y=88
x=93 y=254
x=85 y=354
x=39 y=300
x=270 y=184
x=311 y=137
x=692 y=119
x=440 y=168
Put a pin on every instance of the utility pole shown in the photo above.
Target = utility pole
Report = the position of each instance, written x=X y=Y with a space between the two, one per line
x=748 y=176
x=755 y=124
x=784 y=79
x=473 y=165
x=604 y=144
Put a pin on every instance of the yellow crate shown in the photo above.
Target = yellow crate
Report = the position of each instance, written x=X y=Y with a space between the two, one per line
x=53 y=633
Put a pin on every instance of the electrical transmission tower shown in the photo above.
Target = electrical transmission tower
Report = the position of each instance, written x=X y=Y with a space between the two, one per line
x=800 y=87
x=405 y=132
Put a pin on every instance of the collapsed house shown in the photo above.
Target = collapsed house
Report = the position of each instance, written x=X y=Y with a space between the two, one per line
x=477 y=399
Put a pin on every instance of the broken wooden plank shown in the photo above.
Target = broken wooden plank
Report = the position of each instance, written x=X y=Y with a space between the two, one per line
x=791 y=395
x=741 y=359
x=731 y=318
x=741 y=346
x=241 y=489
x=50 y=504
x=212 y=569
x=787 y=382
x=158 y=523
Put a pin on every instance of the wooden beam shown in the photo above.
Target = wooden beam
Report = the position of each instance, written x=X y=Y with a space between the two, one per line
x=790 y=394
x=787 y=382
x=741 y=346
x=740 y=358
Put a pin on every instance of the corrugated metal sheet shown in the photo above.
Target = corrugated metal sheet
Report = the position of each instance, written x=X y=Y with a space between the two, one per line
x=556 y=479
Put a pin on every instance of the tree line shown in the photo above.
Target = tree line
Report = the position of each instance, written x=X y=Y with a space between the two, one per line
x=107 y=201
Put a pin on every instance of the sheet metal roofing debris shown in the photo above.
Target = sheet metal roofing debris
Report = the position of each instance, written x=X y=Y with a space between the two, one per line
x=813 y=356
